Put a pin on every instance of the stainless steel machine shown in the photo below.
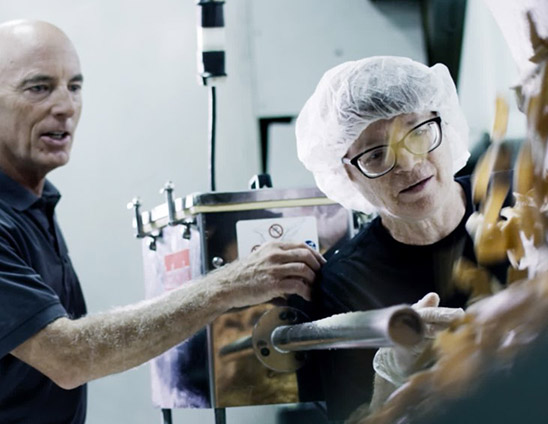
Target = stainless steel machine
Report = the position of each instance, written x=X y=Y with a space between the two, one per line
x=187 y=237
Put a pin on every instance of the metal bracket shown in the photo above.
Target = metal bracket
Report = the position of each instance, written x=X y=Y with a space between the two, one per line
x=172 y=213
x=168 y=191
x=140 y=233
x=187 y=223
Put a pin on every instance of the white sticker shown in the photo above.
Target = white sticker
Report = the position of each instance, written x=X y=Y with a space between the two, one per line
x=252 y=233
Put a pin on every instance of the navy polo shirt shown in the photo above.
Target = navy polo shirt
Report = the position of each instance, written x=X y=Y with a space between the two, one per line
x=37 y=285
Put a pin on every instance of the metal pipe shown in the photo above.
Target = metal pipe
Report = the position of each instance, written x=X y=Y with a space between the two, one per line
x=242 y=344
x=376 y=328
x=281 y=334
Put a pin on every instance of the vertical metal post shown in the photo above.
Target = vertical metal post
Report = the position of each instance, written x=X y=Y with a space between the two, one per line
x=166 y=416
x=220 y=416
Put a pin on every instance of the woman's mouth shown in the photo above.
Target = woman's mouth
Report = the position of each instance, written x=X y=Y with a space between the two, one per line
x=417 y=187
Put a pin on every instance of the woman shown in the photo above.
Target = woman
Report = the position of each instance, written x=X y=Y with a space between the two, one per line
x=385 y=136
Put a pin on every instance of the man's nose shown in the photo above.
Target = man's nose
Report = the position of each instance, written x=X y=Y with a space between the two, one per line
x=64 y=103
x=406 y=160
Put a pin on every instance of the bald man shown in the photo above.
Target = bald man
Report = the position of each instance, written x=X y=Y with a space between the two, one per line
x=49 y=348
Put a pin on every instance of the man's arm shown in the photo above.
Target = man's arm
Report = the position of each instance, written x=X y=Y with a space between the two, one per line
x=72 y=352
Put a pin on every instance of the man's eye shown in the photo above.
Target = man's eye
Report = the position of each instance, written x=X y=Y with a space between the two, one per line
x=40 y=88
x=75 y=87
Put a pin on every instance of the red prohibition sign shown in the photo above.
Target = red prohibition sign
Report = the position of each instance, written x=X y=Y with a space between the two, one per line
x=276 y=231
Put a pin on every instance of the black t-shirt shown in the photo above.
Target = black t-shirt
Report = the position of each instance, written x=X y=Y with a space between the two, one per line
x=37 y=285
x=373 y=271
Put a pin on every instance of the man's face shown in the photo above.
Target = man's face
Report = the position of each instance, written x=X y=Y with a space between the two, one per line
x=418 y=184
x=40 y=103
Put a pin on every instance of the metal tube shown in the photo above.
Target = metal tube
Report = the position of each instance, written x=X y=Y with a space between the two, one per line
x=376 y=328
x=242 y=344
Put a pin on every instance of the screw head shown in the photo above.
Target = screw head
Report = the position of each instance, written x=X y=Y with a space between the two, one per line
x=217 y=262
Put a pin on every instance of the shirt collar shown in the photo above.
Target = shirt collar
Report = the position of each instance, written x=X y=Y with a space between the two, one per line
x=21 y=198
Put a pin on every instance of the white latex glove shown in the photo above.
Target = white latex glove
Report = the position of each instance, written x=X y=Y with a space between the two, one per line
x=396 y=364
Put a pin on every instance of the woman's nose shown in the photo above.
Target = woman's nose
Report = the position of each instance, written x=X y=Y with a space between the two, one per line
x=406 y=161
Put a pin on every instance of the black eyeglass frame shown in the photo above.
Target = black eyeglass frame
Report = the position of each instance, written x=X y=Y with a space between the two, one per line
x=355 y=159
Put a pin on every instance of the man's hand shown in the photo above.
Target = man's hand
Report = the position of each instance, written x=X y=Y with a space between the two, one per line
x=274 y=270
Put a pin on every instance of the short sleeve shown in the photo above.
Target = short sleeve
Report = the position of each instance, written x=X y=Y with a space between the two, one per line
x=27 y=304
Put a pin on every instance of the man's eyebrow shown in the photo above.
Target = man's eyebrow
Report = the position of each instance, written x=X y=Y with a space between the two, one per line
x=35 y=79
x=77 y=78
x=46 y=78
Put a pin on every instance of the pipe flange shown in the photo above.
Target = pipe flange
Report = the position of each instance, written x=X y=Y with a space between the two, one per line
x=268 y=354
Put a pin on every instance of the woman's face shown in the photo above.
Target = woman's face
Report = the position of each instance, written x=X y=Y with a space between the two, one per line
x=417 y=186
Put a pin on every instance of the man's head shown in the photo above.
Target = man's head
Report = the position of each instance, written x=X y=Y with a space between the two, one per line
x=384 y=94
x=40 y=99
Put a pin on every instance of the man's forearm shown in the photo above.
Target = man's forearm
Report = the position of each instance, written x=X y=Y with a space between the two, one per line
x=72 y=352
x=98 y=345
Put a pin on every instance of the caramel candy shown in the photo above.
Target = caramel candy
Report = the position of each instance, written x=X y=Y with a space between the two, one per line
x=524 y=170
x=514 y=275
x=501 y=119
x=473 y=279
x=482 y=173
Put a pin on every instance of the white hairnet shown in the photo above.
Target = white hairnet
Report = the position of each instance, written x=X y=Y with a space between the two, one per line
x=351 y=96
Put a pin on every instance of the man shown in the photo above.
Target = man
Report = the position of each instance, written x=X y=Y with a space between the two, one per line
x=385 y=136
x=49 y=349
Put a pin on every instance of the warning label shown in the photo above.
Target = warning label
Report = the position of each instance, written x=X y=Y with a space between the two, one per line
x=252 y=233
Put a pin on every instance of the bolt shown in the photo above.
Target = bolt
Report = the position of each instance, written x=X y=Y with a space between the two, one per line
x=265 y=351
